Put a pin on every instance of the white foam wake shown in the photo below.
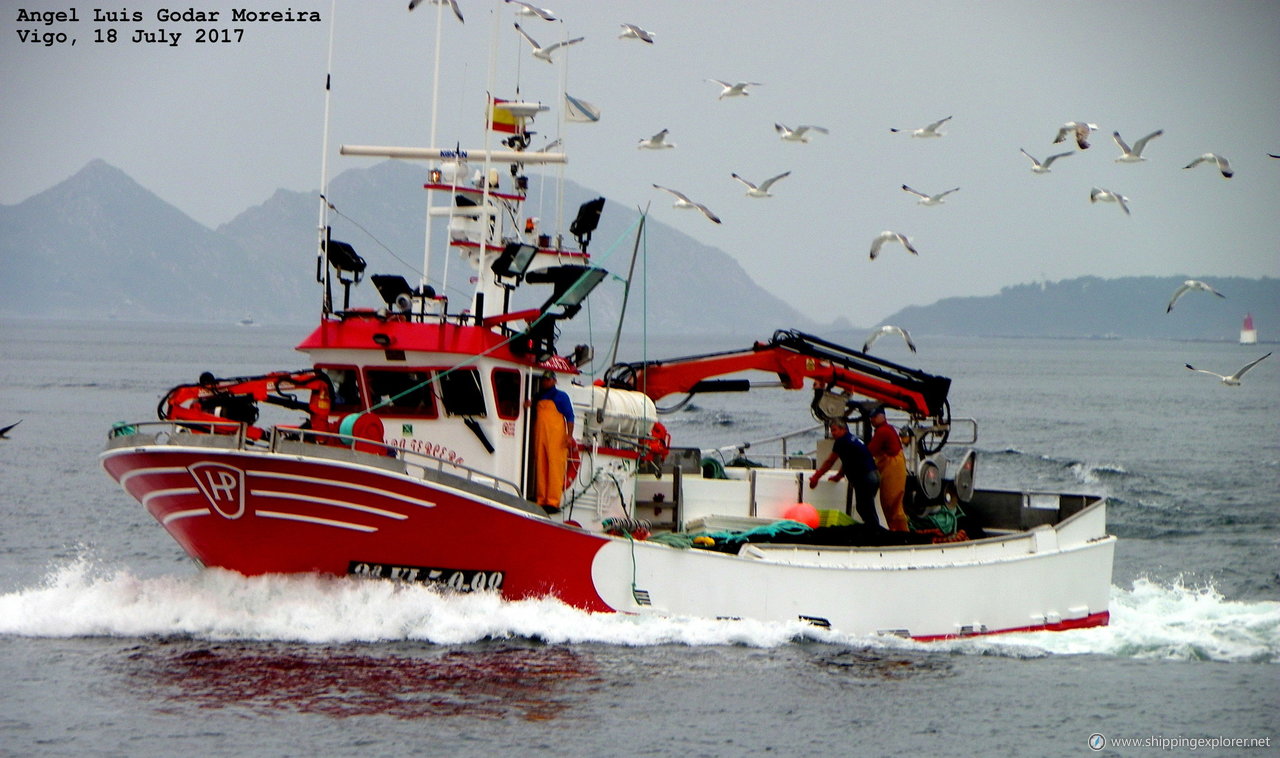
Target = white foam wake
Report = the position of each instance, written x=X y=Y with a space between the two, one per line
x=79 y=600
x=1157 y=620
x=1151 y=620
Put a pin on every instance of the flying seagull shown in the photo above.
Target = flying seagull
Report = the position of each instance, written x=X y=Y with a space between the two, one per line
x=1187 y=286
x=1223 y=166
x=1272 y=155
x=738 y=89
x=799 y=134
x=888 y=236
x=544 y=53
x=451 y=3
x=1038 y=167
x=1234 y=379
x=4 y=431
x=631 y=31
x=763 y=189
x=525 y=9
x=656 y=142
x=928 y=131
x=1107 y=196
x=1078 y=129
x=930 y=199
x=1134 y=155
x=683 y=201
x=888 y=329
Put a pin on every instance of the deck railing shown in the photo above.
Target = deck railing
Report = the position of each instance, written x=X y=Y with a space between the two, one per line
x=286 y=440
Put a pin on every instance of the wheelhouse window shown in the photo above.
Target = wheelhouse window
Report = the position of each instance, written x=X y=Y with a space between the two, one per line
x=346 y=388
x=462 y=393
x=506 y=393
x=402 y=392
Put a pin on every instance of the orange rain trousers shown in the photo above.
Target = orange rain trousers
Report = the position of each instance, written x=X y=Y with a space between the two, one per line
x=893 y=484
x=551 y=453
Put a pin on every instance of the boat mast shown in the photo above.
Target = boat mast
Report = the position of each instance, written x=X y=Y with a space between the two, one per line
x=322 y=226
x=435 y=107
x=488 y=222
x=563 y=82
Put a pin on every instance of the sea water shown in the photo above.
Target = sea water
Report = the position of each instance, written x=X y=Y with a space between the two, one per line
x=113 y=643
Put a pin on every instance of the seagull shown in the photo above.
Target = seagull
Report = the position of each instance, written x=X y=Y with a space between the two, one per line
x=526 y=9
x=1234 y=379
x=1187 y=286
x=1079 y=129
x=1110 y=197
x=1134 y=155
x=888 y=329
x=1223 y=166
x=656 y=142
x=763 y=189
x=4 y=431
x=451 y=3
x=631 y=31
x=1042 y=168
x=683 y=201
x=544 y=53
x=1272 y=155
x=800 y=133
x=734 y=90
x=929 y=131
x=887 y=236
x=930 y=199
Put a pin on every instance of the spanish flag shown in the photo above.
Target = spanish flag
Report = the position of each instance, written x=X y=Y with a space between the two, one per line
x=503 y=120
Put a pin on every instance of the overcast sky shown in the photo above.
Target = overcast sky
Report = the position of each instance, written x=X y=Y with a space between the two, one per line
x=217 y=128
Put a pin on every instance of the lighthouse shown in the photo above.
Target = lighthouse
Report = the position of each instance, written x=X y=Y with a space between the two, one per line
x=1248 y=335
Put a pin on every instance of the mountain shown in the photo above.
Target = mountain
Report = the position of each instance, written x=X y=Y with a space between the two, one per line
x=100 y=244
x=1093 y=307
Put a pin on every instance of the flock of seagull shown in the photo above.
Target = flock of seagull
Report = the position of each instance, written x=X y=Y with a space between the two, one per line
x=800 y=134
x=1078 y=131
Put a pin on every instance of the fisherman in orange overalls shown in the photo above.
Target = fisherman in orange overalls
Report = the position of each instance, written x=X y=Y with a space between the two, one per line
x=552 y=434
x=886 y=448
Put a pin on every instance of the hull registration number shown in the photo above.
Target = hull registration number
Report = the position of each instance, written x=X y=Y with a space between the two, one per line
x=459 y=580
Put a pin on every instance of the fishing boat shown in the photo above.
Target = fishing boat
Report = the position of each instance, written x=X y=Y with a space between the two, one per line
x=1248 y=334
x=410 y=454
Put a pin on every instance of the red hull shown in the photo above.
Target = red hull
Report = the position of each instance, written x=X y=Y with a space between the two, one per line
x=260 y=514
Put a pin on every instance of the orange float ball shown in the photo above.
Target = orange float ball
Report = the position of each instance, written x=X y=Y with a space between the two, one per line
x=804 y=513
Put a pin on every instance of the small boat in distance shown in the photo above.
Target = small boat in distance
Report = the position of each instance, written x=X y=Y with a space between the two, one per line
x=415 y=452
x=1248 y=335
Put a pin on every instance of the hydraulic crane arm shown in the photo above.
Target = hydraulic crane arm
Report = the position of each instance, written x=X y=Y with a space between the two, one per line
x=794 y=357
x=222 y=400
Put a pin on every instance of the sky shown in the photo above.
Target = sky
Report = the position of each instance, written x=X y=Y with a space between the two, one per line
x=216 y=128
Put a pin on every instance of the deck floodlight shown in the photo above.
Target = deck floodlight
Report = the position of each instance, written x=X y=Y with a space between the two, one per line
x=391 y=287
x=345 y=260
x=514 y=259
x=571 y=284
x=587 y=221
x=579 y=290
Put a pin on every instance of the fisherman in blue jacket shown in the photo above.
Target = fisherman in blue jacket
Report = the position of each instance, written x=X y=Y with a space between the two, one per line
x=858 y=466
